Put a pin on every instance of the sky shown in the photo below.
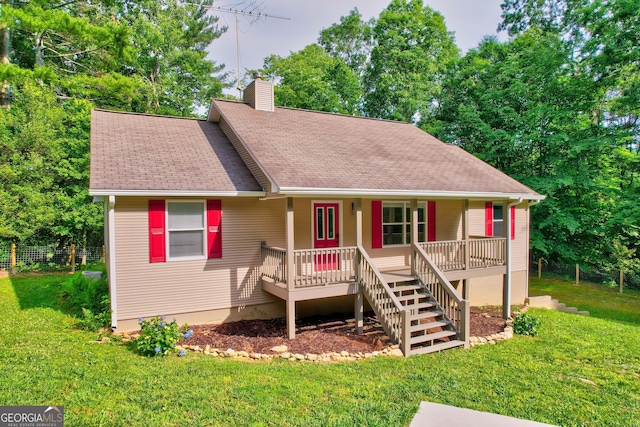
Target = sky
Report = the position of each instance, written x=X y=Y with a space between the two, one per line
x=470 y=20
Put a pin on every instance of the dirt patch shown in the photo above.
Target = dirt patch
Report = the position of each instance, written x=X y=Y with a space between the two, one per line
x=486 y=321
x=319 y=334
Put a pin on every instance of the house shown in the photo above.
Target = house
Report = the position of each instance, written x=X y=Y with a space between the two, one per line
x=260 y=211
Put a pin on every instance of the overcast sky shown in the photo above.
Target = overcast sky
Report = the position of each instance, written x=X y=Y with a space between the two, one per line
x=470 y=20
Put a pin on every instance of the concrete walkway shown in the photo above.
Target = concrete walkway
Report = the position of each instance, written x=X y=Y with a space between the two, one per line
x=437 y=415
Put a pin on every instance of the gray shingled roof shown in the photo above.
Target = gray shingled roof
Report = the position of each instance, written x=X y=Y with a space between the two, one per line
x=136 y=152
x=307 y=149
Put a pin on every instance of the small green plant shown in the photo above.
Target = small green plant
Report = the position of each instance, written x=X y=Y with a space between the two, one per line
x=88 y=300
x=159 y=338
x=525 y=324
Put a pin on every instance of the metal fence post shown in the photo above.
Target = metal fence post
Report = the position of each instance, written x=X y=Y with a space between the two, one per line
x=73 y=258
x=13 y=259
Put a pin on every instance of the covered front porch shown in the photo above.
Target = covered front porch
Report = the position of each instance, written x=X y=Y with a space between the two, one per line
x=295 y=273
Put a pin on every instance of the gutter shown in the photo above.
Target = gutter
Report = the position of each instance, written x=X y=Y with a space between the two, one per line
x=177 y=193
x=400 y=194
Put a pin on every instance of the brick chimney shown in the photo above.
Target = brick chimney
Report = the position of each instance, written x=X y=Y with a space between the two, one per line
x=259 y=94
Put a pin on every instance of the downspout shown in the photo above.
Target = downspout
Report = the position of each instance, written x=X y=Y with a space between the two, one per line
x=506 y=301
x=111 y=254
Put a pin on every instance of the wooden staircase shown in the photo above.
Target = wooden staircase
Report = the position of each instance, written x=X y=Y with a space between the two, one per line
x=430 y=328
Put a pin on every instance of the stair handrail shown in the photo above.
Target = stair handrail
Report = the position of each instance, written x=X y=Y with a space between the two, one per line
x=394 y=317
x=459 y=313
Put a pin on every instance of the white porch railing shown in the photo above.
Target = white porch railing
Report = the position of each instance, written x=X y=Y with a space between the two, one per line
x=449 y=255
x=487 y=252
x=449 y=300
x=323 y=266
x=274 y=262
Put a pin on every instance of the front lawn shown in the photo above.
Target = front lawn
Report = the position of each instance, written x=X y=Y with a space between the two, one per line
x=600 y=300
x=580 y=371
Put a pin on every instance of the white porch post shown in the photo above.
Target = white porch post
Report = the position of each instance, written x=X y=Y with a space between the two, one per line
x=359 y=301
x=414 y=232
x=467 y=249
x=291 y=272
x=506 y=231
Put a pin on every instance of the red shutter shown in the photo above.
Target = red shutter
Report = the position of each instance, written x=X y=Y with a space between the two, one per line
x=488 y=219
x=376 y=224
x=157 y=231
x=513 y=222
x=214 y=228
x=431 y=221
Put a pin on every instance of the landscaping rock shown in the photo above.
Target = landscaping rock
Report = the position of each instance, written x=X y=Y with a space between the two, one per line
x=396 y=352
x=279 y=349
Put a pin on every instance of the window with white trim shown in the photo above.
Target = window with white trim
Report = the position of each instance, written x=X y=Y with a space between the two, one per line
x=186 y=229
x=498 y=220
x=396 y=223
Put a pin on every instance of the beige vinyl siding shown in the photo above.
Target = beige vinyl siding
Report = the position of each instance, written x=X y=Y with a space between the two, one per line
x=449 y=219
x=476 y=218
x=384 y=258
x=146 y=289
x=519 y=246
x=245 y=156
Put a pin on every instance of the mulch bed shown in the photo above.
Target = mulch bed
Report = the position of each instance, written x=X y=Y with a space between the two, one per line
x=319 y=334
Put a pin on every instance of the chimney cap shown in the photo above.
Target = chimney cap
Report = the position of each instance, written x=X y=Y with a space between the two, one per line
x=257 y=75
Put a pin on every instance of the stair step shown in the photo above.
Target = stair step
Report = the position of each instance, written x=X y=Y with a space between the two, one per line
x=411 y=297
x=426 y=315
x=415 y=308
x=429 y=325
x=437 y=347
x=583 y=312
x=430 y=337
x=569 y=310
x=405 y=288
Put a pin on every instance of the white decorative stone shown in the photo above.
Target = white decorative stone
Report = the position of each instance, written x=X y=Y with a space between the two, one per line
x=396 y=352
x=285 y=355
x=279 y=349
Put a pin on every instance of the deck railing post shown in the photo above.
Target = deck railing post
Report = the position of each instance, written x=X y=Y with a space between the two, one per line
x=405 y=343
x=290 y=274
x=465 y=319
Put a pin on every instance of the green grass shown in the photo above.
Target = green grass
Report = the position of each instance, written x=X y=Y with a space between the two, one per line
x=579 y=371
x=601 y=301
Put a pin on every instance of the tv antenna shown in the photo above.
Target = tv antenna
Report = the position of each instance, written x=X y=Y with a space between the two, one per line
x=253 y=12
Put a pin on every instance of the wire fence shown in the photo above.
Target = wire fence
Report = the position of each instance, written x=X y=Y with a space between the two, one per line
x=631 y=279
x=21 y=259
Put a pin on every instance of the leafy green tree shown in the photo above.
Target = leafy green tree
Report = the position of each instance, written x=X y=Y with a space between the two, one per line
x=349 y=40
x=44 y=169
x=412 y=50
x=314 y=80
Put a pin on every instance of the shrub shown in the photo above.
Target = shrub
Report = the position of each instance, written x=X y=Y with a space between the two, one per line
x=525 y=324
x=158 y=338
x=88 y=300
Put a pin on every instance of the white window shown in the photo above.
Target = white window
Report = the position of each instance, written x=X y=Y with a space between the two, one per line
x=186 y=230
x=498 y=220
x=396 y=223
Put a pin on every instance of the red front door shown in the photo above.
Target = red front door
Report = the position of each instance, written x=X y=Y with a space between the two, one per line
x=326 y=234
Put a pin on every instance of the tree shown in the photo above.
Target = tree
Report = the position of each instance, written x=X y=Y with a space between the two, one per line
x=412 y=50
x=313 y=80
x=349 y=40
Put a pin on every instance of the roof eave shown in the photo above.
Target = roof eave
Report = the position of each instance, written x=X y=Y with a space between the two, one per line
x=175 y=193
x=305 y=191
